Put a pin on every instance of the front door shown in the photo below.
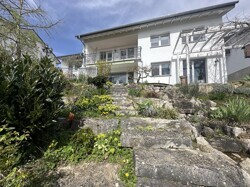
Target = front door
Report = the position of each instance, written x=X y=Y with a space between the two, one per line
x=197 y=69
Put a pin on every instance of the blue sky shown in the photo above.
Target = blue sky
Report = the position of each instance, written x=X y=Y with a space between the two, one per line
x=83 y=16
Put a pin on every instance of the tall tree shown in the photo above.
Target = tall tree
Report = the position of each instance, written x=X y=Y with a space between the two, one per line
x=18 y=21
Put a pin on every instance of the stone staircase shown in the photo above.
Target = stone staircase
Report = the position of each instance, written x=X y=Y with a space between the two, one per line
x=168 y=153
x=121 y=99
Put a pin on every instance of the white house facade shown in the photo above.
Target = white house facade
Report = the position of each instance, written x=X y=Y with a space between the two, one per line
x=161 y=50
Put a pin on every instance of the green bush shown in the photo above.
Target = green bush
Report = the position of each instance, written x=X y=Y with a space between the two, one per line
x=134 y=90
x=99 y=81
x=97 y=105
x=242 y=90
x=108 y=147
x=78 y=147
x=235 y=110
x=167 y=113
x=218 y=96
x=30 y=98
x=150 y=94
x=107 y=144
x=147 y=109
x=223 y=88
x=190 y=91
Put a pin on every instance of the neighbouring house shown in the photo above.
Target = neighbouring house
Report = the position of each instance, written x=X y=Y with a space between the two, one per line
x=34 y=45
x=238 y=56
x=42 y=50
x=70 y=65
x=188 y=44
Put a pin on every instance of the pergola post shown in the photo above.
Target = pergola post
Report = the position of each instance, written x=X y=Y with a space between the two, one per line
x=188 y=59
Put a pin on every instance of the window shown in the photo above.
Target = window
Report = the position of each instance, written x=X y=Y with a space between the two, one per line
x=161 y=69
x=194 y=37
x=155 y=69
x=197 y=38
x=131 y=53
x=165 y=40
x=123 y=54
x=165 y=69
x=106 y=56
x=247 y=51
x=110 y=56
x=103 y=56
x=154 y=41
x=160 y=40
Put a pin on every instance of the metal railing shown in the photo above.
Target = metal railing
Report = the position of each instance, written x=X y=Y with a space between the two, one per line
x=114 y=55
x=71 y=73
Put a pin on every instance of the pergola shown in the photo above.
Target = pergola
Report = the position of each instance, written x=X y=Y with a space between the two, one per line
x=218 y=39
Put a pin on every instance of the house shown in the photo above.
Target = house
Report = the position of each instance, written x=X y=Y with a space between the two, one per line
x=238 y=56
x=31 y=44
x=189 y=44
x=70 y=65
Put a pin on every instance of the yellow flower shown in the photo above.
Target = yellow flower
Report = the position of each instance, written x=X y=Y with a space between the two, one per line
x=126 y=174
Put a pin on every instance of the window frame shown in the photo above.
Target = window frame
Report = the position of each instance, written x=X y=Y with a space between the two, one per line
x=129 y=50
x=104 y=56
x=123 y=54
x=160 y=69
x=159 y=40
x=191 y=37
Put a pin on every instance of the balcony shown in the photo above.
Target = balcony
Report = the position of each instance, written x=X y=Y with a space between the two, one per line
x=114 y=55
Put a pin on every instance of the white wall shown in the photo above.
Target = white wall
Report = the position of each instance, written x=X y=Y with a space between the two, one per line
x=236 y=61
x=162 y=54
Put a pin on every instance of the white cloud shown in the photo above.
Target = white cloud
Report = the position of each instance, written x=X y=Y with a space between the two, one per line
x=82 y=16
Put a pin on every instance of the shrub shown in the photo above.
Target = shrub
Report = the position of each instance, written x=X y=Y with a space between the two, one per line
x=150 y=94
x=98 y=105
x=108 y=147
x=30 y=98
x=191 y=90
x=167 y=113
x=107 y=144
x=217 y=96
x=134 y=92
x=99 y=81
x=103 y=68
x=242 y=90
x=147 y=109
x=235 y=110
x=77 y=148
x=223 y=88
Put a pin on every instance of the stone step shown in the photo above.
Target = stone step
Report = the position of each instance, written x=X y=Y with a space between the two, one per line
x=119 y=97
x=127 y=113
x=126 y=107
x=156 y=133
x=186 y=167
x=119 y=90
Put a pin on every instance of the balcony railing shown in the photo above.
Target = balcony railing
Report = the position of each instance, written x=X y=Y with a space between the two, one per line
x=114 y=55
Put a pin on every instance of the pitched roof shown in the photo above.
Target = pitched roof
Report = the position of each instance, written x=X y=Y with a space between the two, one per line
x=164 y=19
